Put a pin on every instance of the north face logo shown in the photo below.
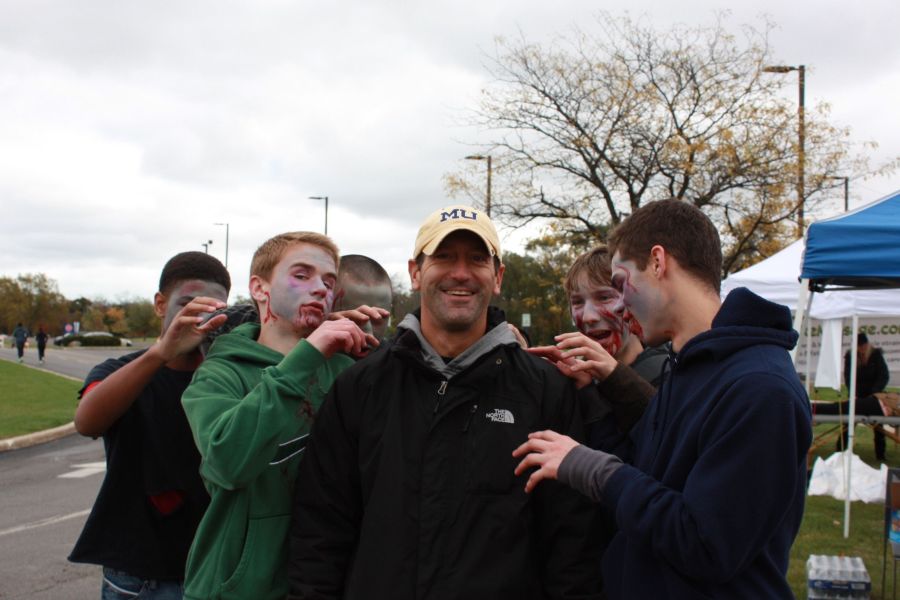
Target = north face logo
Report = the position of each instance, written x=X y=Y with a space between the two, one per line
x=501 y=415
x=459 y=213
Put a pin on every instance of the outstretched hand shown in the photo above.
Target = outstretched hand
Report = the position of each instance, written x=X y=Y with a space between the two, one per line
x=341 y=335
x=579 y=354
x=564 y=363
x=187 y=329
x=544 y=450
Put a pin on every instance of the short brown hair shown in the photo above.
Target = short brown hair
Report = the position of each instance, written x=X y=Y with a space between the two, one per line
x=679 y=227
x=362 y=269
x=595 y=264
x=270 y=252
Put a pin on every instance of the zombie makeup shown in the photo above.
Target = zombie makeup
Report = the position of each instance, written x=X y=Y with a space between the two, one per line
x=640 y=298
x=633 y=326
x=594 y=313
x=184 y=292
x=302 y=288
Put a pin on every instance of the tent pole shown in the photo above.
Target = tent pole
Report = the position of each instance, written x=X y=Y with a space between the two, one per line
x=808 y=382
x=804 y=300
x=851 y=425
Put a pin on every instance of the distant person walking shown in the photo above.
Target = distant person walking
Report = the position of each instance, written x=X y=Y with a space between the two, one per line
x=41 y=338
x=20 y=334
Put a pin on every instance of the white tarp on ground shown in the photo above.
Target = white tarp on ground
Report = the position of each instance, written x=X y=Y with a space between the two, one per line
x=776 y=279
x=828 y=478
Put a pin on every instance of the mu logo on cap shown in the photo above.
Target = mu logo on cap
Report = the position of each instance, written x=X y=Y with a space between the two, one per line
x=459 y=213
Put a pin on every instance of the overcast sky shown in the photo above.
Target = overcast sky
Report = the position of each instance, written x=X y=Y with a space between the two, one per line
x=128 y=128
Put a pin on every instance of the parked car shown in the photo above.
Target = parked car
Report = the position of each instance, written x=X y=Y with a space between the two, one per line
x=60 y=339
x=92 y=338
x=122 y=340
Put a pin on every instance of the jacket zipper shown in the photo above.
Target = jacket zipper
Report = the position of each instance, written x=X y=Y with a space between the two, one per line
x=441 y=391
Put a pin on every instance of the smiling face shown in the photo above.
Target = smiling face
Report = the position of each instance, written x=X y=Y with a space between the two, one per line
x=167 y=306
x=597 y=313
x=456 y=284
x=299 y=292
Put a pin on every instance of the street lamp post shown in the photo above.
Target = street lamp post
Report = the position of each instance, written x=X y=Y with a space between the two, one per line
x=487 y=203
x=206 y=246
x=846 y=181
x=226 y=242
x=325 y=198
x=801 y=133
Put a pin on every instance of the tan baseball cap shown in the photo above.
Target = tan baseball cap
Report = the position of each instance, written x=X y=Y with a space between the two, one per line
x=445 y=221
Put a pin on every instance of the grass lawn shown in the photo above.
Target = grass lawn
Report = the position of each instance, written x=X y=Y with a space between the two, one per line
x=33 y=400
x=822 y=531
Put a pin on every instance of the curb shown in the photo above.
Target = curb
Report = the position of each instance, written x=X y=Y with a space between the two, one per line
x=38 y=437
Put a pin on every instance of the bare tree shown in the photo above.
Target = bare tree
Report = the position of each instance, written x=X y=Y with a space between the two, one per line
x=588 y=128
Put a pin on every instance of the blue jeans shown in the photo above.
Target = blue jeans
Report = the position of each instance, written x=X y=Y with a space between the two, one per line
x=118 y=585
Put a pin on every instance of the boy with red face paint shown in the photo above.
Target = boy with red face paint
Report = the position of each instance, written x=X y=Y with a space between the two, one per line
x=250 y=407
x=625 y=374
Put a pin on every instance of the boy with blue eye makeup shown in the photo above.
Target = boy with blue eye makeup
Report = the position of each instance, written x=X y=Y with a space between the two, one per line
x=250 y=407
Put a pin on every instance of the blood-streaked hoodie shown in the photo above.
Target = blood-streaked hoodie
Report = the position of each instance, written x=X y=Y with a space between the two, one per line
x=250 y=409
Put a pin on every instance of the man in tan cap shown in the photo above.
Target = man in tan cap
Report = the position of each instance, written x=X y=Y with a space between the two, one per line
x=407 y=488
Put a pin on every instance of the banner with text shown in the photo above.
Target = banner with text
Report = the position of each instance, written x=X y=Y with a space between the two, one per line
x=882 y=332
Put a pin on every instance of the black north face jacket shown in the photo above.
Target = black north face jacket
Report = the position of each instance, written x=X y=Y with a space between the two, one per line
x=407 y=487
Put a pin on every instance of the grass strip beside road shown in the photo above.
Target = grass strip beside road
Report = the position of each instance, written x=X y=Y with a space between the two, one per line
x=33 y=400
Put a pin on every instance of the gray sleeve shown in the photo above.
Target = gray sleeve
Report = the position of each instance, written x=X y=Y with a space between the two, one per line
x=587 y=471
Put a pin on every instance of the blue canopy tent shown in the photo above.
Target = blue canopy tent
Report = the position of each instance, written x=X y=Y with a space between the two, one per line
x=856 y=250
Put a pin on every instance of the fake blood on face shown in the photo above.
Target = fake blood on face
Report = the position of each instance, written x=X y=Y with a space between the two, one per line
x=593 y=317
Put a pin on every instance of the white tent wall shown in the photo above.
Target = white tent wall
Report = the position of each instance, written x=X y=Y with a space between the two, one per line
x=879 y=310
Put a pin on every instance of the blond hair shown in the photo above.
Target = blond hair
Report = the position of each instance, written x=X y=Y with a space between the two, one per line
x=270 y=252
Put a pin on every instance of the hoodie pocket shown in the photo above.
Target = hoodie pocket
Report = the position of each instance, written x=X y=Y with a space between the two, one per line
x=261 y=569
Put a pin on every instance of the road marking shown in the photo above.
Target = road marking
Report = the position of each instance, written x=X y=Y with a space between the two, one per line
x=84 y=470
x=44 y=522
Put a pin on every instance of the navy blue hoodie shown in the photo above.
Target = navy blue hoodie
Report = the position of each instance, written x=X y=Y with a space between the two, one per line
x=714 y=498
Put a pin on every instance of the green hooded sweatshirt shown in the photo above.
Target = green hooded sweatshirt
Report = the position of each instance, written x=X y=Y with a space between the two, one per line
x=250 y=411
